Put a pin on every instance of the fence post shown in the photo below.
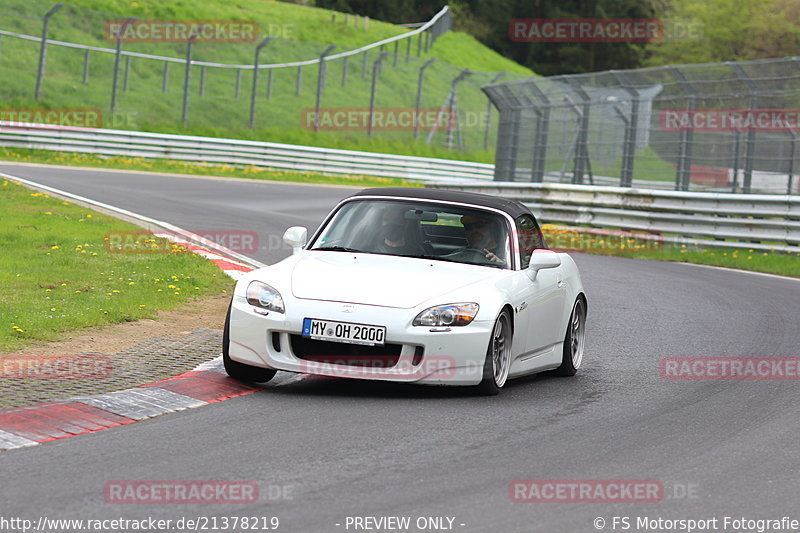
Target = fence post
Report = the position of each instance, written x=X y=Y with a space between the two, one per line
x=629 y=144
x=187 y=75
x=127 y=73
x=254 y=91
x=419 y=94
x=582 y=162
x=238 y=83
x=117 y=55
x=751 y=133
x=364 y=65
x=165 y=78
x=320 y=84
x=419 y=43
x=298 y=81
x=43 y=49
x=269 y=84
x=489 y=113
x=791 y=162
x=344 y=71
x=202 y=81
x=394 y=60
x=408 y=49
x=86 y=67
x=542 y=130
x=375 y=66
x=683 y=177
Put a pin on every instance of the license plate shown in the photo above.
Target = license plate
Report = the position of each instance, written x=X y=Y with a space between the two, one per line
x=330 y=330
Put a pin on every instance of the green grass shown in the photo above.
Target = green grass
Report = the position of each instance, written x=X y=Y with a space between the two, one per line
x=56 y=275
x=182 y=167
x=219 y=112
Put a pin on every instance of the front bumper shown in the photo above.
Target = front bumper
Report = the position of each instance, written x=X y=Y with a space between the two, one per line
x=453 y=357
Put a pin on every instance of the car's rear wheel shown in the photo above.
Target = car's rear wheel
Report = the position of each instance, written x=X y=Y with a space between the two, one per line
x=498 y=356
x=238 y=370
x=574 y=340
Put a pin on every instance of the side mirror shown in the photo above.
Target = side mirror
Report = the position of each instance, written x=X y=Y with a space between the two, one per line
x=296 y=237
x=541 y=260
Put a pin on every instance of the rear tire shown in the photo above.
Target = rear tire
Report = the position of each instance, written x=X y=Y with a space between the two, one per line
x=498 y=356
x=235 y=369
x=574 y=340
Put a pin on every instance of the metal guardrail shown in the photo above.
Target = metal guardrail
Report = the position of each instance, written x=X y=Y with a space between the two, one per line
x=757 y=221
x=237 y=152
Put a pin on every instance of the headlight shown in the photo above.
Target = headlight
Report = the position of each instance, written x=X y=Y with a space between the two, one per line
x=262 y=295
x=447 y=315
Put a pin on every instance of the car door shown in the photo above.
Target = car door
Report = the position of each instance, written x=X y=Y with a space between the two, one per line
x=543 y=299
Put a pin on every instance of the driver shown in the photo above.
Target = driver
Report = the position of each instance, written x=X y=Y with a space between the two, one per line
x=481 y=240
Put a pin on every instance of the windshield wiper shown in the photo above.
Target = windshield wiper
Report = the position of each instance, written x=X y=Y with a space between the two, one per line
x=339 y=249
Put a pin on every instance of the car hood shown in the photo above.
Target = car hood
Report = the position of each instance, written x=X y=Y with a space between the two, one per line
x=382 y=280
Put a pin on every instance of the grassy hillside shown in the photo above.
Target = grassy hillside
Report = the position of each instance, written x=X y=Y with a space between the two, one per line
x=302 y=33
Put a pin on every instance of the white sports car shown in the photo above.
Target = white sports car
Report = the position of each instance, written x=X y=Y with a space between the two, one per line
x=412 y=285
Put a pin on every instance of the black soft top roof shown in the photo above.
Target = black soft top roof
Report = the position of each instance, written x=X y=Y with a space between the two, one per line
x=512 y=207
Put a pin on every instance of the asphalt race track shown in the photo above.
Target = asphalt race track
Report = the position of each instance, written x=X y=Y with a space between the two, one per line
x=339 y=448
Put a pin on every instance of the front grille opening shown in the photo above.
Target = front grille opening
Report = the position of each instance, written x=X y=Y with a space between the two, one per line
x=276 y=341
x=419 y=351
x=340 y=353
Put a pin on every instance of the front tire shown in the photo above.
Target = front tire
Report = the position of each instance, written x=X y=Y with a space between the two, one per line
x=238 y=370
x=498 y=356
x=574 y=341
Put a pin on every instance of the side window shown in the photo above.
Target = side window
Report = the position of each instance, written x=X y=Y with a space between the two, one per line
x=530 y=238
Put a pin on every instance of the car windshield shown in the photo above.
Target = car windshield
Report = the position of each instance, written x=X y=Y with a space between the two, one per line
x=425 y=230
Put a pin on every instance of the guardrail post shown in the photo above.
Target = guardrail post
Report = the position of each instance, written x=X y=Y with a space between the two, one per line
x=419 y=94
x=542 y=130
x=187 y=74
x=238 y=83
x=489 y=113
x=85 y=79
x=117 y=55
x=321 y=84
x=375 y=66
x=127 y=73
x=43 y=49
x=684 y=171
x=254 y=91
x=751 y=132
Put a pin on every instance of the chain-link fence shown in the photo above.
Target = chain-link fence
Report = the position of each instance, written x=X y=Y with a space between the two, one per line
x=728 y=127
x=63 y=57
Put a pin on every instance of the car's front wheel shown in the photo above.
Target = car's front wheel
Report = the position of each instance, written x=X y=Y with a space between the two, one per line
x=574 y=340
x=498 y=356
x=238 y=370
